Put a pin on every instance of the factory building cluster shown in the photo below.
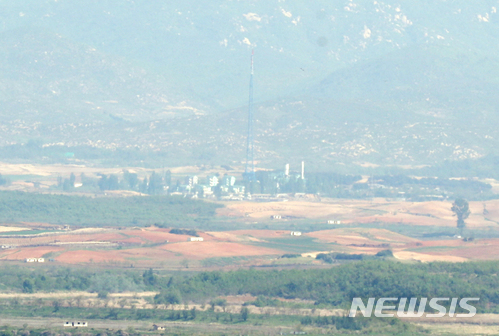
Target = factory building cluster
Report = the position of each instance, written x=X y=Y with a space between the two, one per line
x=267 y=186
x=213 y=186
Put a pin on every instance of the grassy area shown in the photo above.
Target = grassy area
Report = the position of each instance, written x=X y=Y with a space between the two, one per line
x=243 y=320
x=31 y=177
x=227 y=261
x=22 y=233
x=87 y=211
x=294 y=261
x=433 y=249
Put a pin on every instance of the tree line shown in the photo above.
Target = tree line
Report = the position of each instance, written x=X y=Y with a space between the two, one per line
x=334 y=287
x=80 y=210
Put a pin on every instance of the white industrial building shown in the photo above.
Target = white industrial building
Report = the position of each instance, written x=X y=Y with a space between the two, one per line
x=191 y=180
x=213 y=180
x=195 y=239
x=229 y=181
x=33 y=260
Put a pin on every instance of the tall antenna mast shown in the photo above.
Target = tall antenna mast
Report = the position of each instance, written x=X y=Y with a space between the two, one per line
x=249 y=171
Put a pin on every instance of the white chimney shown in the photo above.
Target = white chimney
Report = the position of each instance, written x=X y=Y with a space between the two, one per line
x=303 y=170
x=286 y=170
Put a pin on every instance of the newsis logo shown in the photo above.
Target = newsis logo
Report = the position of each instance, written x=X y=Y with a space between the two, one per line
x=390 y=304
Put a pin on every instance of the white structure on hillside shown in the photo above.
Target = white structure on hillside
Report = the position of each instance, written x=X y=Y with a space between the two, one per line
x=334 y=222
x=195 y=239
x=295 y=233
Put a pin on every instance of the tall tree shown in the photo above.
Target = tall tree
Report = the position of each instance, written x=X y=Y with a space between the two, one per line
x=72 y=179
x=103 y=182
x=168 y=178
x=113 y=182
x=143 y=185
x=155 y=184
x=131 y=179
x=461 y=209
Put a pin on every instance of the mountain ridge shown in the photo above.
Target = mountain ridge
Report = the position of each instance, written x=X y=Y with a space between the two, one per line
x=335 y=81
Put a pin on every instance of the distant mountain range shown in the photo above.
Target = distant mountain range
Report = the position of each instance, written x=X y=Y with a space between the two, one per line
x=336 y=82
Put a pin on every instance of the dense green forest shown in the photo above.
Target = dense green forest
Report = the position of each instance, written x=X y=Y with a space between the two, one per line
x=334 y=287
x=77 y=210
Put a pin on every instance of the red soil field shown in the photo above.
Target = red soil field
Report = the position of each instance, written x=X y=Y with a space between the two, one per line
x=155 y=236
x=260 y=233
x=203 y=250
x=149 y=253
x=29 y=252
x=147 y=256
x=133 y=240
x=86 y=256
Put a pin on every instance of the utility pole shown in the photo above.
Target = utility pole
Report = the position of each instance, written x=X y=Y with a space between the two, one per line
x=249 y=171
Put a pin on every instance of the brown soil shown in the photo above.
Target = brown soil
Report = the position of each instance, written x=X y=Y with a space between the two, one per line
x=28 y=252
x=86 y=256
x=206 y=249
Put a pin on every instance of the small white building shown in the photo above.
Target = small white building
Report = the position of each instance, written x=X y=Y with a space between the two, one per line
x=194 y=239
x=337 y=222
x=206 y=190
x=295 y=233
x=31 y=260
x=41 y=260
x=238 y=189
x=276 y=217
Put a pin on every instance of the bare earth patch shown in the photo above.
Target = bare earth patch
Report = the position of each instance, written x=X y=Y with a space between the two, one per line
x=203 y=250
x=407 y=255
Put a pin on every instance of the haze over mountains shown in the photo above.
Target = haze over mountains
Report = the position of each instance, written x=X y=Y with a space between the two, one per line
x=385 y=82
